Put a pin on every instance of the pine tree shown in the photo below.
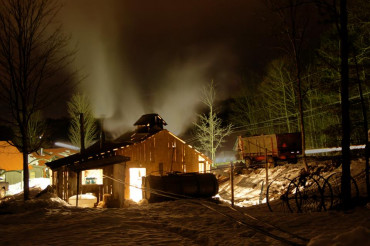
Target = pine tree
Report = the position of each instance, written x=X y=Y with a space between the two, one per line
x=79 y=104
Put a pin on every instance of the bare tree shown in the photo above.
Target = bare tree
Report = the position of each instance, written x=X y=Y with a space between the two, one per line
x=32 y=56
x=346 y=130
x=338 y=15
x=277 y=90
x=79 y=104
x=209 y=130
x=359 y=22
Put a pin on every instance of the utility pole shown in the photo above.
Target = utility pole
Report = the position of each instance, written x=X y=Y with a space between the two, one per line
x=82 y=151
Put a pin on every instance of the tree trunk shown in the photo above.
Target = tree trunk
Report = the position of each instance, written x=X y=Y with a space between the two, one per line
x=301 y=120
x=25 y=168
x=211 y=125
x=366 y=136
x=346 y=154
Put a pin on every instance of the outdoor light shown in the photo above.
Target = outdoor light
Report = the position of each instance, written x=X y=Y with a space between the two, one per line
x=68 y=146
x=314 y=151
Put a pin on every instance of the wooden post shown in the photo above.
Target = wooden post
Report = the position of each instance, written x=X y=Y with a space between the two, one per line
x=78 y=187
x=267 y=169
x=232 y=182
x=261 y=194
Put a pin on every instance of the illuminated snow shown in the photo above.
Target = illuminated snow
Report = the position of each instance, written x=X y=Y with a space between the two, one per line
x=49 y=220
x=41 y=183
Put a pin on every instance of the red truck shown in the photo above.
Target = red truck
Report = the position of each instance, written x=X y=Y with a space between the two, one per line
x=254 y=149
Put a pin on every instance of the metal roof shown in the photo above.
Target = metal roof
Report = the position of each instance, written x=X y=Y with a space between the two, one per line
x=93 y=157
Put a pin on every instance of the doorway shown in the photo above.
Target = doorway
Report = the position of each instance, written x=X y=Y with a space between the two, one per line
x=136 y=175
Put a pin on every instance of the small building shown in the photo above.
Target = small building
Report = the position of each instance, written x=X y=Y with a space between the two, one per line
x=11 y=162
x=117 y=167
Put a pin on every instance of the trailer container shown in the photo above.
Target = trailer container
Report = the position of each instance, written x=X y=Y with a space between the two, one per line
x=274 y=147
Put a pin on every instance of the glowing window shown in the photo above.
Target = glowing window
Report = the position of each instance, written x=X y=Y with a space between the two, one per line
x=136 y=175
x=93 y=176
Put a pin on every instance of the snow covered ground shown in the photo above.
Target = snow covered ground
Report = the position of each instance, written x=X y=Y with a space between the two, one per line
x=41 y=183
x=48 y=220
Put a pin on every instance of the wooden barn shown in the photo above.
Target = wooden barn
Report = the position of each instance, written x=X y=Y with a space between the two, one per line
x=117 y=167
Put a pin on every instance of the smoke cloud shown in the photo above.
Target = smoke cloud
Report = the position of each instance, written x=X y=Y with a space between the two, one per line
x=123 y=83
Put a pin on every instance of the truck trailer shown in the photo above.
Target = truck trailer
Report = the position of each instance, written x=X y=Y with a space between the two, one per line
x=274 y=147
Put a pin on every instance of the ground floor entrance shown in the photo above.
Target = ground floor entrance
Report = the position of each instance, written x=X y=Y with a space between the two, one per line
x=136 y=175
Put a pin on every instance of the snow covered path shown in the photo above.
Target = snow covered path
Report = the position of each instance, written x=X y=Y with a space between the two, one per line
x=170 y=223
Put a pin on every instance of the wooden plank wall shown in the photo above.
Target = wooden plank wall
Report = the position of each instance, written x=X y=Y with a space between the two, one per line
x=161 y=149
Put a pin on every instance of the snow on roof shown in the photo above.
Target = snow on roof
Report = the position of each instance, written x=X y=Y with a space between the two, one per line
x=45 y=155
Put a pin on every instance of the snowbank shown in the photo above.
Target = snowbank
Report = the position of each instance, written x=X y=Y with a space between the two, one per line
x=249 y=187
x=41 y=183
x=39 y=200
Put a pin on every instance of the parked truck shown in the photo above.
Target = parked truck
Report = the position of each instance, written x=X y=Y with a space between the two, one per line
x=274 y=147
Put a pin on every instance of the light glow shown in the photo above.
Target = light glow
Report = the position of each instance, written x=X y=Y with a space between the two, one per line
x=68 y=146
x=315 y=151
x=136 y=175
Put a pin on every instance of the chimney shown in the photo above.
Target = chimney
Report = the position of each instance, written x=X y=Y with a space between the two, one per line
x=149 y=123
x=101 y=134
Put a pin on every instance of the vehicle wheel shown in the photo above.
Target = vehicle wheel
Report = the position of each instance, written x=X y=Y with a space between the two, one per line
x=327 y=191
x=280 y=199
x=335 y=182
x=312 y=198
x=248 y=162
x=2 y=193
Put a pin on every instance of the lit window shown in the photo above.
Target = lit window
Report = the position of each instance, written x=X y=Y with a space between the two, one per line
x=93 y=176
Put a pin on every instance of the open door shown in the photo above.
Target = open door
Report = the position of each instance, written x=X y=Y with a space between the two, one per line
x=136 y=175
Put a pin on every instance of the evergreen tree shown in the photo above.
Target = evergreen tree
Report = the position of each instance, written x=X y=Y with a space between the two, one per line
x=79 y=104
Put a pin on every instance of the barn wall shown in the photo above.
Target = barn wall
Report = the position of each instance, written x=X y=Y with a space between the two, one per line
x=72 y=184
x=107 y=182
x=162 y=151
x=13 y=177
x=119 y=187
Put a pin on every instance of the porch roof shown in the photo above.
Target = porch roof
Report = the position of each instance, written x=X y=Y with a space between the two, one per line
x=91 y=159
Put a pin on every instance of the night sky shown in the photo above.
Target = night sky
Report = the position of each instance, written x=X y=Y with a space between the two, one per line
x=155 y=56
